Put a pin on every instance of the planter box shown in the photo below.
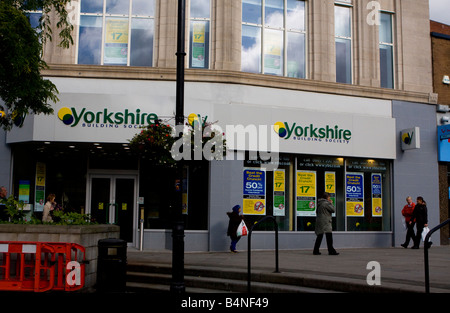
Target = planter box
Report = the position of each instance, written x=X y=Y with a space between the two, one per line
x=85 y=235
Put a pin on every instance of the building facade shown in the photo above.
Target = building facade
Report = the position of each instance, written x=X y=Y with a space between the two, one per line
x=313 y=96
x=440 y=43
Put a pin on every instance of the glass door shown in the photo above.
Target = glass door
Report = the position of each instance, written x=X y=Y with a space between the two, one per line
x=112 y=200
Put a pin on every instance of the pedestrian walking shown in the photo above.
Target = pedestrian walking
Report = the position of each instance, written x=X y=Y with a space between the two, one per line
x=325 y=208
x=233 y=224
x=420 y=217
x=407 y=213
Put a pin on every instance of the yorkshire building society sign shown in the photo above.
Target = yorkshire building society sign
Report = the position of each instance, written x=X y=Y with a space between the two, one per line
x=410 y=138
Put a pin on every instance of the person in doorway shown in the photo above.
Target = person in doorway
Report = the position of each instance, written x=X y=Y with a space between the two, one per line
x=407 y=213
x=3 y=193
x=48 y=207
x=420 y=217
x=325 y=208
x=233 y=224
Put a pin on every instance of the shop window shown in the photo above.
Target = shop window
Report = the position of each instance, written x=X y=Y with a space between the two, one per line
x=158 y=194
x=343 y=43
x=268 y=192
x=274 y=37
x=116 y=32
x=199 y=30
x=386 y=51
x=359 y=189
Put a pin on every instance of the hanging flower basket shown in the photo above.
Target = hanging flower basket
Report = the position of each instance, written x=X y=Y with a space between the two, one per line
x=153 y=144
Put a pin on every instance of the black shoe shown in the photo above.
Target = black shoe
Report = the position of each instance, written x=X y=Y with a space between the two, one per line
x=333 y=253
x=429 y=244
x=404 y=245
x=316 y=253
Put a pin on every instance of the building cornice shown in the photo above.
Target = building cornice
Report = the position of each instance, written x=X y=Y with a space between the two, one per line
x=235 y=77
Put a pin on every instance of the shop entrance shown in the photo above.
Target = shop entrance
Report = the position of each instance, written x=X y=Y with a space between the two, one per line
x=111 y=199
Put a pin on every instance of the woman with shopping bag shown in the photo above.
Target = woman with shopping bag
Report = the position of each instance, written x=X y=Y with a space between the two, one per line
x=420 y=217
x=236 y=223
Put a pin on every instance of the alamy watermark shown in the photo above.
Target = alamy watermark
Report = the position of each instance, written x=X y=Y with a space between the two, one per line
x=261 y=142
x=374 y=276
x=373 y=18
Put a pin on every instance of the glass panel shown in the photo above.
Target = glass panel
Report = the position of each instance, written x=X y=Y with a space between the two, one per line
x=252 y=11
x=124 y=207
x=116 y=41
x=200 y=8
x=199 y=44
x=100 y=199
x=343 y=61
x=295 y=19
x=91 y=6
x=117 y=7
x=251 y=49
x=296 y=55
x=274 y=13
x=273 y=52
x=367 y=195
x=141 y=42
x=143 y=7
x=342 y=21
x=90 y=44
x=34 y=19
x=386 y=66
x=385 y=28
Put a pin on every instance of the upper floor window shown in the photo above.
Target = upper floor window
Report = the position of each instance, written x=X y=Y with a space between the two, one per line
x=200 y=21
x=116 y=32
x=274 y=37
x=343 y=43
x=386 y=51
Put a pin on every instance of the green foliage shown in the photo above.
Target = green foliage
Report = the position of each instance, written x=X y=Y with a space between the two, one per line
x=14 y=209
x=71 y=218
x=22 y=88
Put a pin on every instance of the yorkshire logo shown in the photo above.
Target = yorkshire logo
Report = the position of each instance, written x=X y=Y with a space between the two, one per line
x=103 y=117
x=65 y=115
x=299 y=132
x=407 y=137
x=279 y=128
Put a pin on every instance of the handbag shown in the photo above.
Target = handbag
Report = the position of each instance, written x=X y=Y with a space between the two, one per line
x=424 y=233
x=242 y=229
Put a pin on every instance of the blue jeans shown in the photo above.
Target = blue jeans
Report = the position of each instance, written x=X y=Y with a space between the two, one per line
x=234 y=241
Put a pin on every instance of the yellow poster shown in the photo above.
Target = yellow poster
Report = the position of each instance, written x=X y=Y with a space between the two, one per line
x=116 y=31
x=279 y=192
x=254 y=207
x=306 y=193
x=199 y=32
x=330 y=182
x=116 y=41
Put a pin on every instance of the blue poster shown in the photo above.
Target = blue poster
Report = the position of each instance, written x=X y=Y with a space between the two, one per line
x=354 y=186
x=254 y=182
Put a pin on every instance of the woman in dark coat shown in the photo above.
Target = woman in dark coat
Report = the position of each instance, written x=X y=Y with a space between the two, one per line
x=420 y=217
x=323 y=224
x=233 y=224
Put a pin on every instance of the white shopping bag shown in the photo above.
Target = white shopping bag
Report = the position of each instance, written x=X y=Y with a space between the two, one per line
x=242 y=229
x=424 y=233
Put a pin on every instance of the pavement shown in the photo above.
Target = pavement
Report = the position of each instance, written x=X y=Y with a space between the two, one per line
x=395 y=269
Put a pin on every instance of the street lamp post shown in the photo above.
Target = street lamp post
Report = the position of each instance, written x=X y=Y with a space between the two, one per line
x=177 y=285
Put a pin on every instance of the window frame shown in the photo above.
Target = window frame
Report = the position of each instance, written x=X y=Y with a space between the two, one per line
x=348 y=4
x=207 y=39
x=105 y=16
x=388 y=44
x=264 y=29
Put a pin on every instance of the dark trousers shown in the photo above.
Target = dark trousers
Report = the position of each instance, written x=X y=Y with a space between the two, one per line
x=418 y=237
x=329 y=238
x=234 y=241
x=409 y=234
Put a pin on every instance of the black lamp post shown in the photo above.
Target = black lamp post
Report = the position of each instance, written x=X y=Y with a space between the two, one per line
x=177 y=285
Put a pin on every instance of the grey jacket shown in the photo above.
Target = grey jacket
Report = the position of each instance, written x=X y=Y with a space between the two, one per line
x=323 y=219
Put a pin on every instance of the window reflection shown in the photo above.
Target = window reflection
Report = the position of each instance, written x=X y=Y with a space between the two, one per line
x=90 y=44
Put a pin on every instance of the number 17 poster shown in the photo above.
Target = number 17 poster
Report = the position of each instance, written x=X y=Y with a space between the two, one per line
x=306 y=193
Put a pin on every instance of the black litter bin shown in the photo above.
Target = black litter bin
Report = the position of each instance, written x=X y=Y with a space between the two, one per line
x=111 y=265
